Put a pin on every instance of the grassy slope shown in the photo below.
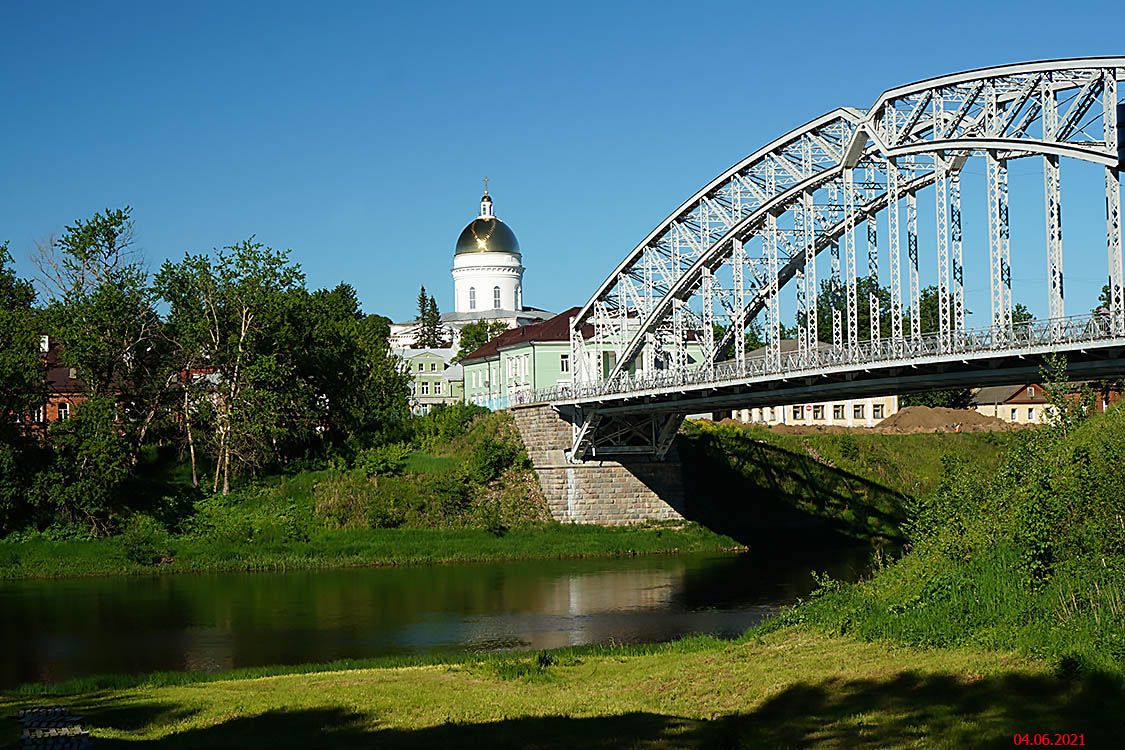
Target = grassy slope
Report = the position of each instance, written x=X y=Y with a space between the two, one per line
x=350 y=548
x=791 y=688
x=754 y=483
x=1030 y=557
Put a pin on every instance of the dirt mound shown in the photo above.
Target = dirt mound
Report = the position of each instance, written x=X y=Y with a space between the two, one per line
x=940 y=419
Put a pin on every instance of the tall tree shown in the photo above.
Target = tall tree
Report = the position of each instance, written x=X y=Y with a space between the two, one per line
x=235 y=303
x=102 y=310
x=21 y=370
x=431 y=334
x=21 y=389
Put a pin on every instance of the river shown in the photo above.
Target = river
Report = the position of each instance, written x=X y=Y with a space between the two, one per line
x=52 y=630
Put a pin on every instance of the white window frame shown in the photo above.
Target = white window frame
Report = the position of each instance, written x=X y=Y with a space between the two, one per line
x=564 y=363
x=437 y=387
x=63 y=410
x=472 y=298
x=495 y=298
x=425 y=388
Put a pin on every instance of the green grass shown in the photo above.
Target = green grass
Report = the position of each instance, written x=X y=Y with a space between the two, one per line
x=359 y=547
x=1027 y=557
x=755 y=483
x=790 y=688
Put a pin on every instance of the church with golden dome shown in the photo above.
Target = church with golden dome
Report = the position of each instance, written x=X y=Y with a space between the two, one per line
x=487 y=280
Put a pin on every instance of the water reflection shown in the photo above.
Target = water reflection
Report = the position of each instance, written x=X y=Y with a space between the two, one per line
x=53 y=630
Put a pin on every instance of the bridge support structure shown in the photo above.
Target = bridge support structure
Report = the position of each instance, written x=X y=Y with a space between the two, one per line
x=633 y=489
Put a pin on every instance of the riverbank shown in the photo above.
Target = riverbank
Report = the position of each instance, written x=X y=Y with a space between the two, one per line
x=358 y=548
x=792 y=688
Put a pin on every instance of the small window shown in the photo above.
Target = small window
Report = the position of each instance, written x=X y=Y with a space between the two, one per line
x=425 y=388
x=433 y=367
x=564 y=363
x=796 y=412
x=1031 y=391
x=496 y=298
x=877 y=411
x=421 y=367
x=1031 y=415
x=472 y=298
x=859 y=411
x=837 y=411
x=37 y=415
x=64 y=411
x=818 y=411
x=437 y=388
x=1014 y=413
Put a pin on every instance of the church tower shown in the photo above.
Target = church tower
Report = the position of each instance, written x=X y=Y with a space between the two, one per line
x=487 y=266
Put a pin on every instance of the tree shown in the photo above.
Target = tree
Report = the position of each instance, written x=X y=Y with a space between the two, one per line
x=21 y=389
x=431 y=333
x=90 y=463
x=234 y=306
x=103 y=312
x=833 y=295
x=21 y=370
x=478 y=333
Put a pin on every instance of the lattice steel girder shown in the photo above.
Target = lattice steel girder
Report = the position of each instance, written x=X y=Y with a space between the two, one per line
x=1000 y=278
x=921 y=128
x=852 y=303
x=941 y=201
x=893 y=250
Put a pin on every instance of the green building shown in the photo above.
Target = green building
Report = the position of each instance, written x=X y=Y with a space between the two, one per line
x=512 y=367
x=433 y=379
x=518 y=362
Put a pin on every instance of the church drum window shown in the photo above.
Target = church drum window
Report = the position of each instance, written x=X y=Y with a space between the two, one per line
x=496 y=298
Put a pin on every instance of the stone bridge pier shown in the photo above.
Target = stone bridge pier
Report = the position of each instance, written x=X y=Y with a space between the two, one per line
x=597 y=492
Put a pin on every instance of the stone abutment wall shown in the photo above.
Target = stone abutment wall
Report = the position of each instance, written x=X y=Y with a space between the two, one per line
x=597 y=492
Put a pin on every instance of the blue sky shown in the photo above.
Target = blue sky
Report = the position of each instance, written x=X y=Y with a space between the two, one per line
x=356 y=134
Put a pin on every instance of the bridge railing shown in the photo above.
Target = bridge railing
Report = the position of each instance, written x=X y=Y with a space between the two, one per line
x=1029 y=335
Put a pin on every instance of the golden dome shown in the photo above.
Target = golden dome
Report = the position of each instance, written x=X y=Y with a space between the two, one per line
x=487 y=235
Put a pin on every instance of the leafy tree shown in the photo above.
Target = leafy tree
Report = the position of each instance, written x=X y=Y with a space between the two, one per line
x=103 y=311
x=21 y=388
x=90 y=463
x=232 y=308
x=478 y=333
x=834 y=295
x=21 y=370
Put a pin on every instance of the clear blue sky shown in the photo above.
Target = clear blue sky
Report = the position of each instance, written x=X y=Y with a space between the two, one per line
x=356 y=134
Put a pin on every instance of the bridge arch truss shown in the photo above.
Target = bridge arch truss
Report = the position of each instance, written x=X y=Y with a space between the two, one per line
x=684 y=298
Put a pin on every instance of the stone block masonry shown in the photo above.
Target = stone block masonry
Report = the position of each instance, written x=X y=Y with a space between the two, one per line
x=596 y=492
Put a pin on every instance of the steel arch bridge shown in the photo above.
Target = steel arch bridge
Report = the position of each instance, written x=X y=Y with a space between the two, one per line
x=665 y=334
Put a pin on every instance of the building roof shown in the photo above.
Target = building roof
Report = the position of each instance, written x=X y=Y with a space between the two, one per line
x=410 y=353
x=994 y=394
x=533 y=313
x=487 y=234
x=455 y=372
x=787 y=345
x=556 y=329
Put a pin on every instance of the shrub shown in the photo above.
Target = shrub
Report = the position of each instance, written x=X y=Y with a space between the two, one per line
x=384 y=461
x=489 y=459
x=444 y=422
x=146 y=541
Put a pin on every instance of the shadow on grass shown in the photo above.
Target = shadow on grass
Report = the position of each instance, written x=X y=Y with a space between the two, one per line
x=758 y=494
x=904 y=710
